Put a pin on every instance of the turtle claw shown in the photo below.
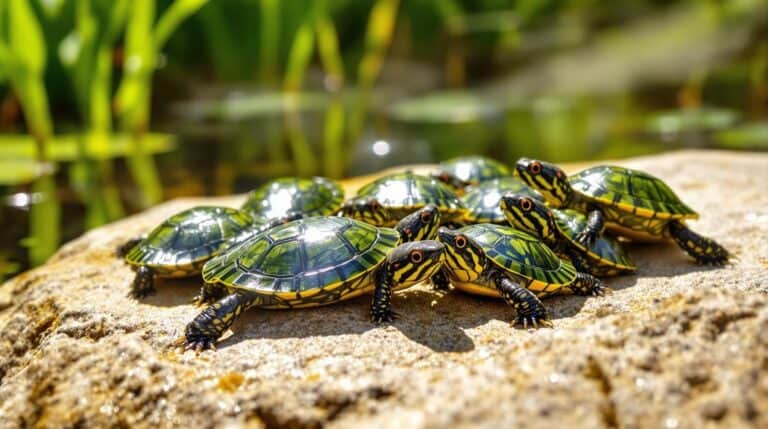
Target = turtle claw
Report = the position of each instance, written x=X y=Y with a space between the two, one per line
x=533 y=322
x=601 y=290
x=142 y=293
x=586 y=239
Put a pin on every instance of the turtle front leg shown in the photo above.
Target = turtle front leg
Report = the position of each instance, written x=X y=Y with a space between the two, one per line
x=587 y=285
x=704 y=250
x=582 y=263
x=595 y=227
x=440 y=282
x=530 y=311
x=203 y=331
x=209 y=293
x=144 y=283
x=381 y=307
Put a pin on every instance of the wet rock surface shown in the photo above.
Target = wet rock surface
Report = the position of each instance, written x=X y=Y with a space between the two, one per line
x=677 y=346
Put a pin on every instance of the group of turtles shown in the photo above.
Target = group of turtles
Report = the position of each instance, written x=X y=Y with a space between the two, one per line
x=520 y=235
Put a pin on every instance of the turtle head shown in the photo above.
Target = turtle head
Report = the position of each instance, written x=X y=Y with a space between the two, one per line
x=548 y=179
x=464 y=259
x=420 y=225
x=368 y=210
x=529 y=215
x=414 y=262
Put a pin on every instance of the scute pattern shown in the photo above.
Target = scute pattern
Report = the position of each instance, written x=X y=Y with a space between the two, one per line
x=189 y=237
x=516 y=251
x=405 y=192
x=631 y=190
x=483 y=201
x=317 y=196
x=304 y=255
x=474 y=169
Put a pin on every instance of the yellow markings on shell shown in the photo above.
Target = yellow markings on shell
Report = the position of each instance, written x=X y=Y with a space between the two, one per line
x=476 y=289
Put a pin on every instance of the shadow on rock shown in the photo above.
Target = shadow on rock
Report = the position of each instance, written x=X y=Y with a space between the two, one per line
x=433 y=329
x=664 y=260
x=173 y=292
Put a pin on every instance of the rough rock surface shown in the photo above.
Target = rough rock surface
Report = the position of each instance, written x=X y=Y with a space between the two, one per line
x=677 y=346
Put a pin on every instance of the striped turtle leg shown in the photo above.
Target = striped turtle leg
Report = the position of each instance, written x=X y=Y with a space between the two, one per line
x=588 y=285
x=203 y=331
x=595 y=227
x=582 y=263
x=144 y=283
x=381 y=307
x=530 y=310
x=210 y=293
x=704 y=250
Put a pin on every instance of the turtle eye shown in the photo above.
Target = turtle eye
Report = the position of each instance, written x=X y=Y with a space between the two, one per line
x=526 y=204
x=426 y=216
x=417 y=256
x=375 y=206
x=461 y=242
x=535 y=167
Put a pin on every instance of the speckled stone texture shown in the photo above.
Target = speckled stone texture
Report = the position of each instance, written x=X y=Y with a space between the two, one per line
x=677 y=346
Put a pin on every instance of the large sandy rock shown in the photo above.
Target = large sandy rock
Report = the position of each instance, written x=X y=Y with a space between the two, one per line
x=678 y=345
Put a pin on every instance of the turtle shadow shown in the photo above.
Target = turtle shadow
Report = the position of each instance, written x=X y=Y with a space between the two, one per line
x=173 y=292
x=418 y=321
x=664 y=260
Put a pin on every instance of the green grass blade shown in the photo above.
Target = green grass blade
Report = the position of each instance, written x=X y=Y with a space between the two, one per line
x=44 y=216
x=269 y=50
x=301 y=52
x=172 y=18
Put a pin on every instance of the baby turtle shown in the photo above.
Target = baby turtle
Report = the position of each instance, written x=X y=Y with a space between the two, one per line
x=559 y=229
x=388 y=199
x=498 y=261
x=310 y=262
x=632 y=203
x=470 y=171
x=482 y=201
x=180 y=245
x=290 y=198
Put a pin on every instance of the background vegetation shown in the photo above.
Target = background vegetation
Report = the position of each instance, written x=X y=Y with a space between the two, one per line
x=111 y=106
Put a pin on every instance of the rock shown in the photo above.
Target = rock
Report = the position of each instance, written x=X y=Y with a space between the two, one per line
x=677 y=346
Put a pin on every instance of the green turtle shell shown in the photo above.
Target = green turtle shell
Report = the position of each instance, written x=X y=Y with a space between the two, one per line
x=483 y=201
x=631 y=191
x=307 y=262
x=403 y=193
x=317 y=196
x=182 y=243
x=522 y=254
x=606 y=251
x=473 y=169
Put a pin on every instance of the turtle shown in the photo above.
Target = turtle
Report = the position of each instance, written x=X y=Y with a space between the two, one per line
x=482 y=201
x=181 y=244
x=288 y=198
x=465 y=171
x=632 y=203
x=499 y=261
x=310 y=262
x=388 y=199
x=558 y=229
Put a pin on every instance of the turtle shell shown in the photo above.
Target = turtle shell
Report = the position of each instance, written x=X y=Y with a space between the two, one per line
x=522 y=254
x=605 y=249
x=306 y=260
x=483 y=201
x=317 y=196
x=187 y=239
x=631 y=191
x=473 y=169
x=404 y=193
